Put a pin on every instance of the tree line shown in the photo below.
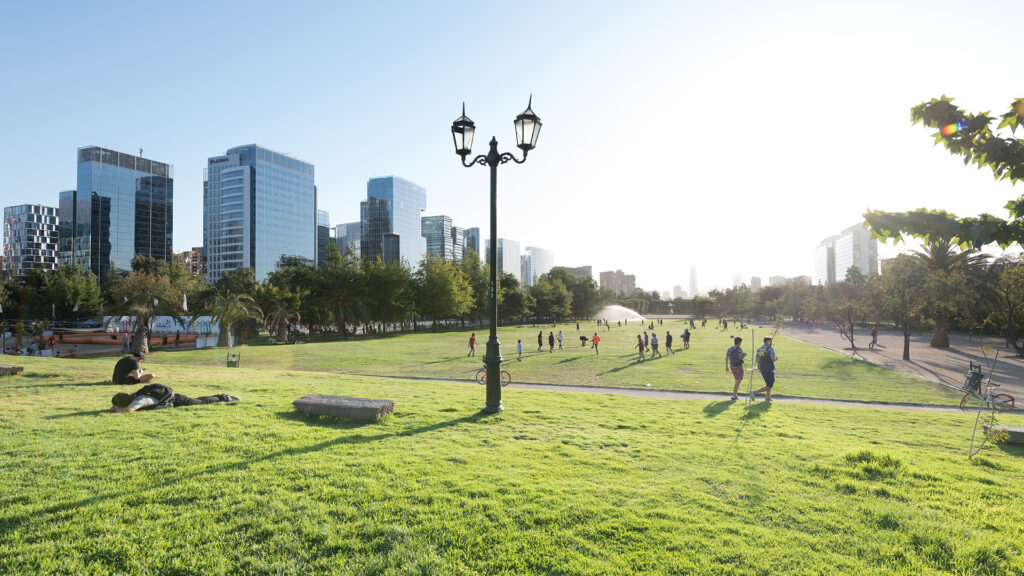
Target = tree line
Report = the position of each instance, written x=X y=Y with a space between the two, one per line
x=342 y=296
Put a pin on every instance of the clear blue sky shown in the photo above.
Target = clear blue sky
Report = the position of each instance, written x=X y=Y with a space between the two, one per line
x=733 y=135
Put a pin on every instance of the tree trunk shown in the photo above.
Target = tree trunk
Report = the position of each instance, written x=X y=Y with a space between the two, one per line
x=940 y=335
x=339 y=318
x=282 y=332
x=140 y=343
x=1011 y=333
x=224 y=339
x=906 y=345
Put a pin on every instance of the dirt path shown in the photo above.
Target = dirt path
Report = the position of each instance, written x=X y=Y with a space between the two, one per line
x=946 y=366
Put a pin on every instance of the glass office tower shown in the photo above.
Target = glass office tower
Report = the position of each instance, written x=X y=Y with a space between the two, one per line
x=348 y=236
x=536 y=263
x=124 y=205
x=472 y=242
x=258 y=205
x=323 y=236
x=437 y=231
x=393 y=207
x=30 y=238
x=509 y=259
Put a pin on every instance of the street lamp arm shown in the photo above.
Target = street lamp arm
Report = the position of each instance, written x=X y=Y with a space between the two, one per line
x=481 y=160
x=505 y=157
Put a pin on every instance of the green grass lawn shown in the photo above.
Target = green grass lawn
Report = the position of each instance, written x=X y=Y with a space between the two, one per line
x=804 y=370
x=559 y=483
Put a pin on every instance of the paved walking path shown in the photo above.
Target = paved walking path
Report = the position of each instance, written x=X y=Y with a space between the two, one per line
x=678 y=395
x=946 y=366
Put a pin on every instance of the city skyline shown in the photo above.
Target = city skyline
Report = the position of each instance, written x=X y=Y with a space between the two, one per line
x=640 y=132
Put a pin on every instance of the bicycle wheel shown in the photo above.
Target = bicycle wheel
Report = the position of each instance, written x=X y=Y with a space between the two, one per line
x=506 y=378
x=1002 y=402
x=963 y=403
x=481 y=376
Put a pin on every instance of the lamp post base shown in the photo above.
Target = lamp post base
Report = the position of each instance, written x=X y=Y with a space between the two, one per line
x=492 y=359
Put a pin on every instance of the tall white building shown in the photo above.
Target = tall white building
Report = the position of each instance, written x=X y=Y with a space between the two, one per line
x=536 y=263
x=693 y=281
x=347 y=235
x=835 y=255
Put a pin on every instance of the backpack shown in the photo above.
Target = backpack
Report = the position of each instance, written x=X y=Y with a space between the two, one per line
x=163 y=394
x=765 y=364
x=735 y=358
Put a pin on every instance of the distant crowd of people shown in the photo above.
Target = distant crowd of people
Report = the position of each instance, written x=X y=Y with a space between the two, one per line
x=648 y=346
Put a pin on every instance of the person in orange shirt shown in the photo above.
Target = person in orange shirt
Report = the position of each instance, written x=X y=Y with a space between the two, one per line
x=596 y=340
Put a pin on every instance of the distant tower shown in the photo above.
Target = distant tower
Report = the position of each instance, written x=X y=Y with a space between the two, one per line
x=693 y=281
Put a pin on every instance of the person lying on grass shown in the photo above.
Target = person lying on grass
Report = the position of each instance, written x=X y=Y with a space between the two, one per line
x=128 y=371
x=154 y=396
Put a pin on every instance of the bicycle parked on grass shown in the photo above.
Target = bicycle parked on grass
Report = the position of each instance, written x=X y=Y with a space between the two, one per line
x=978 y=386
x=481 y=377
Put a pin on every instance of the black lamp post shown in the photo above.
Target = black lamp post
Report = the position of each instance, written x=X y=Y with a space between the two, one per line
x=527 y=130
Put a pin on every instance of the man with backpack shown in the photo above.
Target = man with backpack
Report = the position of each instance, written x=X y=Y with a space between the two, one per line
x=734 y=362
x=765 y=358
x=155 y=396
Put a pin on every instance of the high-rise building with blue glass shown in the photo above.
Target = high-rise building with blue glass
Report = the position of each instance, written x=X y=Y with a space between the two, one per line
x=30 y=238
x=124 y=205
x=323 y=236
x=437 y=231
x=472 y=242
x=259 y=205
x=348 y=236
x=390 y=220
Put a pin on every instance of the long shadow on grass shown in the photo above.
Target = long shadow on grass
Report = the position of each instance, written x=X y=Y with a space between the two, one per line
x=753 y=412
x=73 y=414
x=620 y=368
x=8 y=524
x=67 y=384
x=715 y=408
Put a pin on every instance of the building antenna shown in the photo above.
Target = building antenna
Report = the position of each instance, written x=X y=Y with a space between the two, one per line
x=140 y=151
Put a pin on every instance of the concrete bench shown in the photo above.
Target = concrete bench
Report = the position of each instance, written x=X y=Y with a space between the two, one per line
x=8 y=370
x=345 y=406
x=1015 y=433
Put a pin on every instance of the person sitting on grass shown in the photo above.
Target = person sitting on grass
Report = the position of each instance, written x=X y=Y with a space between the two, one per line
x=128 y=371
x=154 y=396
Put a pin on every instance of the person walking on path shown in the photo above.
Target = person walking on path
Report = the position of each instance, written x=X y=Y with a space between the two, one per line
x=654 y=345
x=519 y=350
x=577 y=326
x=874 y=337
x=647 y=339
x=559 y=337
x=594 y=342
x=540 y=341
x=472 y=344
x=551 y=342
x=734 y=362
x=177 y=338
x=668 y=342
x=686 y=339
x=640 y=348
x=765 y=359
x=125 y=344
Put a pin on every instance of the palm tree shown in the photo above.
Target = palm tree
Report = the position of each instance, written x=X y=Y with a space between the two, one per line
x=230 y=309
x=954 y=279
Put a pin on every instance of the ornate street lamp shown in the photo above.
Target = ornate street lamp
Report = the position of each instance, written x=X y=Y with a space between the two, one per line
x=527 y=130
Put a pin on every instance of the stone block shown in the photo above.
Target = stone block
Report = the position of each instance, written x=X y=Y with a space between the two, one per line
x=8 y=370
x=345 y=406
x=1016 y=433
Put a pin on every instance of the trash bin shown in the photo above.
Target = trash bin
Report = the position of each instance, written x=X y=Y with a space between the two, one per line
x=234 y=360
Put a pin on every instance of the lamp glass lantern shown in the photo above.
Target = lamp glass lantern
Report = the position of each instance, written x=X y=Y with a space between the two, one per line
x=462 y=133
x=527 y=128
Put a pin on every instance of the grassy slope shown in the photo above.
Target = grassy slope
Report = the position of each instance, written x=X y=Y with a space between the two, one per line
x=558 y=484
x=803 y=369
